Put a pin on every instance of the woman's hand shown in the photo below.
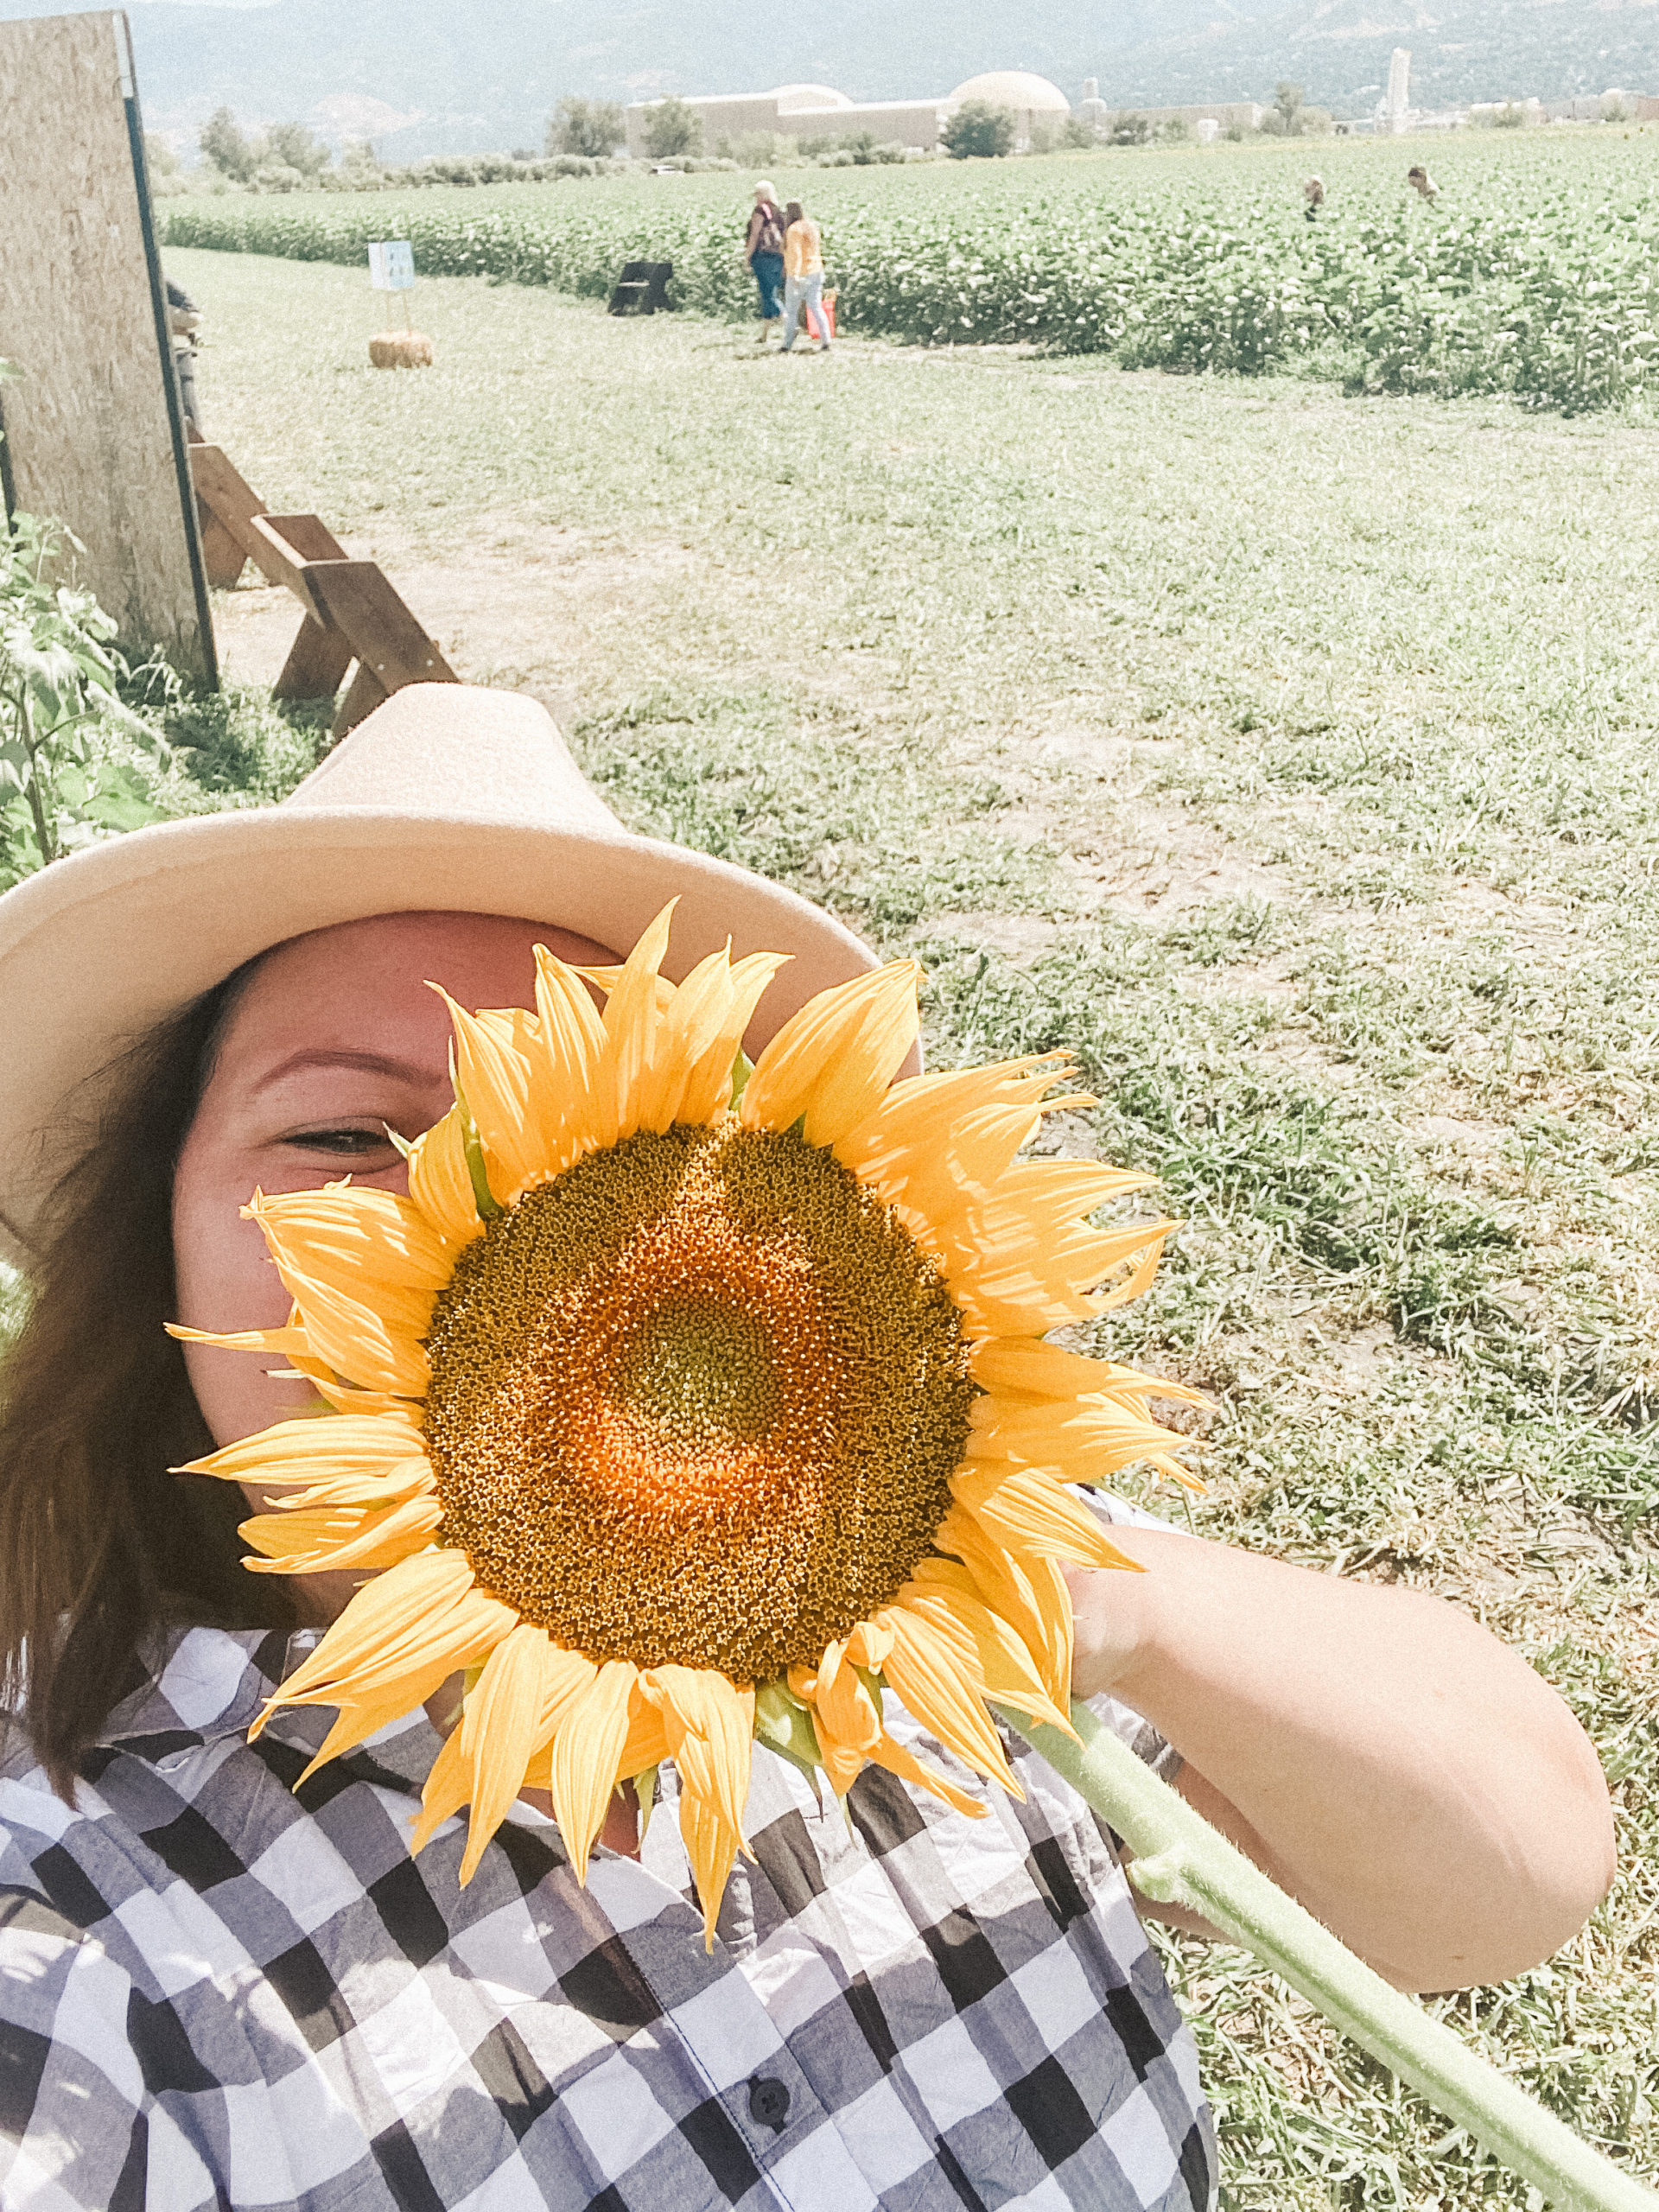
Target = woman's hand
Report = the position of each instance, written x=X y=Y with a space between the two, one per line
x=1405 y=1776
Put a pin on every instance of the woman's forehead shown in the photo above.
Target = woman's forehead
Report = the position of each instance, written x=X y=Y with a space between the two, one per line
x=366 y=977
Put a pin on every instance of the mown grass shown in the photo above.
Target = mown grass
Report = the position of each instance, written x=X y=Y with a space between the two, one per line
x=1289 y=759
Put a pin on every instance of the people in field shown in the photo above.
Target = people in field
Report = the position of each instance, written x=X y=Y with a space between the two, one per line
x=1313 y=196
x=763 y=249
x=803 y=279
x=1422 y=183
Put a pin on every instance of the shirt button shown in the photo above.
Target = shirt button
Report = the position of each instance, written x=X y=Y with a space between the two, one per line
x=768 y=2101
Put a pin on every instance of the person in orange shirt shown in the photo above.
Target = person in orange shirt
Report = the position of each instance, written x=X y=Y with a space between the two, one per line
x=803 y=277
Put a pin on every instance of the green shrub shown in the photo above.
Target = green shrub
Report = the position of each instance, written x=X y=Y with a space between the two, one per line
x=978 y=131
x=672 y=128
x=593 y=128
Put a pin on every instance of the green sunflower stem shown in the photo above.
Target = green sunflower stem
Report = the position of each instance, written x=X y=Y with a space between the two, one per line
x=1180 y=1859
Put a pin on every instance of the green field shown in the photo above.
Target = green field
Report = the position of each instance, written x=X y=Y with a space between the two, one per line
x=1536 y=272
x=1289 y=756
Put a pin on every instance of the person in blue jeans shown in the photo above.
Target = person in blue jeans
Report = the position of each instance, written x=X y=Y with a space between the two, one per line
x=763 y=249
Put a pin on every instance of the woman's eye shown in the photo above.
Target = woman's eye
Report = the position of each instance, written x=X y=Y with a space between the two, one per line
x=353 y=1144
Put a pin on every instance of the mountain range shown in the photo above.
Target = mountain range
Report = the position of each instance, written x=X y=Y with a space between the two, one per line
x=428 y=76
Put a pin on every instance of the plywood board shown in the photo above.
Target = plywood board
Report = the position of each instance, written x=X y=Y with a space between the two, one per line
x=94 y=431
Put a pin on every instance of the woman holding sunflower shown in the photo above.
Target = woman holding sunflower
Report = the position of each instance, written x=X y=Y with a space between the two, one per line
x=633 y=1384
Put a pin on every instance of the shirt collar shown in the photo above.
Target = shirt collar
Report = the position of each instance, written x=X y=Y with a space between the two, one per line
x=206 y=1684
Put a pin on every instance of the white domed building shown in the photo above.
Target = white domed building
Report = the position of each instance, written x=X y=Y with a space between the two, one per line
x=1031 y=100
x=821 y=112
x=796 y=99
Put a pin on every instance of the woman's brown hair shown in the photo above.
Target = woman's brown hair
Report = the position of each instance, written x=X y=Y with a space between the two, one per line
x=100 y=1547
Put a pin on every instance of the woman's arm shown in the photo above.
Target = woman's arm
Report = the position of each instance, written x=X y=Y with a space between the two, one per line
x=1395 y=1767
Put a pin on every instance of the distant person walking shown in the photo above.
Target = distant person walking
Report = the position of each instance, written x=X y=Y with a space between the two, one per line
x=763 y=250
x=803 y=277
x=1422 y=183
x=1313 y=195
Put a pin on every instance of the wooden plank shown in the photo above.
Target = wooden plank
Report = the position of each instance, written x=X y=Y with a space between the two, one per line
x=94 y=431
x=223 y=557
x=223 y=486
x=364 y=695
x=276 y=558
x=308 y=535
x=316 y=664
x=225 y=502
x=356 y=597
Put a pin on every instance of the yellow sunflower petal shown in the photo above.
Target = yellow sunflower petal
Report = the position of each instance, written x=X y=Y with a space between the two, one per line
x=365 y=1268
x=340 y=1446
x=709 y=1081
x=691 y=1078
x=449 y=1786
x=492 y=1077
x=832 y=1061
x=710 y=1722
x=936 y=1675
x=943 y=1593
x=568 y=1677
x=440 y=1186
x=374 y=1493
x=711 y=1844
x=583 y=1768
x=355 y=1722
x=1085 y=1441
x=1029 y=1591
x=1020 y=1367
x=306 y=1543
x=646 y=1742
x=1025 y=1509
x=846 y=1718
x=567 y=1049
x=499 y=1730
x=632 y=1020
x=905 y=1764
x=415 y=1624
x=281 y=1343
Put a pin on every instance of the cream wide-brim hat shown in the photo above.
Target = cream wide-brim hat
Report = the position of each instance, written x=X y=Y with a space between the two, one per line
x=447 y=796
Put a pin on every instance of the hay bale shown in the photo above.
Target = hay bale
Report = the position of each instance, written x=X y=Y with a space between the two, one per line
x=401 y=349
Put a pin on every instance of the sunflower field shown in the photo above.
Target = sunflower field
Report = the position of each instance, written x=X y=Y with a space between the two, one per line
x=1536 y=272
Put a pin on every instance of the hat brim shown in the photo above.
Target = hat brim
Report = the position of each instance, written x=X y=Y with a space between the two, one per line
x=97 y=949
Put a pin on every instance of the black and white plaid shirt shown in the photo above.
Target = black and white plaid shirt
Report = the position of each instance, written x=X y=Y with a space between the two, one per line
x=217 y=1994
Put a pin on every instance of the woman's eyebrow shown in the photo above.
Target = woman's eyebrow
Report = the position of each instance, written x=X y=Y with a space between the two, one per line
x=362 y=1063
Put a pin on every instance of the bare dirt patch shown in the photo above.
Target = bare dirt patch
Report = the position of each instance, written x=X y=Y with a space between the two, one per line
x=532 y=609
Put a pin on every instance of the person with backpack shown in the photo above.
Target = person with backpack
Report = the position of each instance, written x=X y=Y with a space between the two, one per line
x=763 y=249
x=804 y=278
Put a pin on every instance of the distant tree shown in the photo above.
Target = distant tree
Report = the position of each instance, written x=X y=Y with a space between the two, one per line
x=1284 y=118
x=978 y=131
x=291 y=146
x=672 y=128
x=161 y=157
x=223 y=144
x=592 y=127
x=1077 y=131
x=1131 y=130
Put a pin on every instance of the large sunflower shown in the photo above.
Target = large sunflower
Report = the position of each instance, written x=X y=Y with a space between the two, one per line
x=680 y=1404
